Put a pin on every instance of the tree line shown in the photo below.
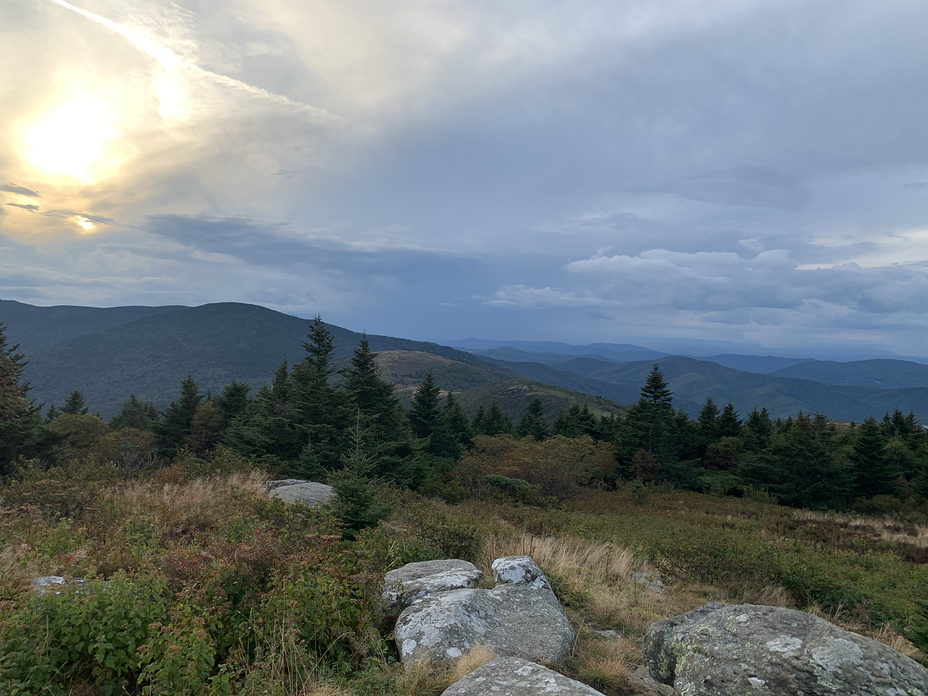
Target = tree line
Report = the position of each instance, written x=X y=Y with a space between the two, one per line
x=315 y=422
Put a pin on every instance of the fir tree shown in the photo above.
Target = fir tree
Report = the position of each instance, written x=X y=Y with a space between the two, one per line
x=232 y=402
x=74 y=403
x=757 y=430
x=494 y=421
x=135 y=414
x=533 y=423
x=458 y=425
x=729 y=423
x=424 y=415
x=23 y=432
x=707 y=425
x=175 y=425
x=874 y=473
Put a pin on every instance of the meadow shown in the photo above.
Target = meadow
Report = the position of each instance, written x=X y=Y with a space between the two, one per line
x=199 y=583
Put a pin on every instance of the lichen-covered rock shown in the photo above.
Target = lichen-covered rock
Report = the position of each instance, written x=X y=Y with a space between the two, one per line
x=512 y=676
x=723 y=650
x=519 y=570
x=522 y=620
x=414 y=581
x=297 y=491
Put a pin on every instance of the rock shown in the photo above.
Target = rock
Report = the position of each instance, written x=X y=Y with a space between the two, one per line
x=519 y=570
x=642 y=683
x=748 y=649
x=44 y=583
x=297 y=491
x=512 y=676
x=516 y=620
x=407 y=585
x=654 y=582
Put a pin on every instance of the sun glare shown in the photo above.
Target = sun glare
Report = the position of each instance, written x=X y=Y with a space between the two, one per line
x=71 y=140
x=84 y=223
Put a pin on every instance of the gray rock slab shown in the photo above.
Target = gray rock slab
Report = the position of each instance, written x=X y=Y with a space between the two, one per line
x=516 y=620
x=519 y=570
x=306 y=492
x=414 y=581
x=719 y=650
x=652 y=581
x=512 y=676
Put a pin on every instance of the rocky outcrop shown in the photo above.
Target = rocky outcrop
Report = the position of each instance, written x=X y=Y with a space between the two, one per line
x=512 y=676
x=520 y=617
x=298 y=491
x=723 y=650
x=407 y=585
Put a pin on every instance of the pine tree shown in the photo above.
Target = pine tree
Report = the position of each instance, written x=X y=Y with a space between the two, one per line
x=533 y=423
x=175 y=425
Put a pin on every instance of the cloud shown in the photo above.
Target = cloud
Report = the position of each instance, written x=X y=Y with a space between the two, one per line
x=19 y=190
x=25 y=206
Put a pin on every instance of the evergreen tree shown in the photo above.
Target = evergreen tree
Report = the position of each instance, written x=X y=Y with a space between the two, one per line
x=232 y=402
x=457 y=424
x=74 y=403
x=135 y=414
x=655 y=391
x=424 y=415
x=174 y=427
x=23 y=432
x=382 y=417
x=729 y=423
x=576 y=421
x=355 y=485
x=320 y=407
x=707 y=425
x=494 y=421
x=533 y=423
x=648 y=424
x=206 y=428
x=874 y=473
x=757 y=430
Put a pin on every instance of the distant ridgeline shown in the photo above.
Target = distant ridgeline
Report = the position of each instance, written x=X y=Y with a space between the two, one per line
x=319 y=415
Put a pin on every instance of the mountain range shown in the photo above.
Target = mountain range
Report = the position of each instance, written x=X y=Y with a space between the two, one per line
x=109 y=353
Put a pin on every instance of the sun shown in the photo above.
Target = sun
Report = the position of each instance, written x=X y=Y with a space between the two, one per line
x=71 y=140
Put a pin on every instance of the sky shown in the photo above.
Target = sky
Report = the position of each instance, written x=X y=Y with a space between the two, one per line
x=749 y=175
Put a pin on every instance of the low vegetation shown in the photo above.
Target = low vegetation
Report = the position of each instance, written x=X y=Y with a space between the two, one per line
x=195 y=581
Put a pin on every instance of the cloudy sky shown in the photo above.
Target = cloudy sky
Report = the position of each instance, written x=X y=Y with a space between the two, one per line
x=745 y=171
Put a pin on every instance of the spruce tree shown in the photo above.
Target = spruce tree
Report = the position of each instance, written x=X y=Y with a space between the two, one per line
x=135 y=414
x=424 y=415
x=707 y=425
x=232 y=402
x=757 y=430
x=457 y=424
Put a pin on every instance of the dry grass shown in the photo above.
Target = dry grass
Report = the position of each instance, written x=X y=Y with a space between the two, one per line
x=605 y=662
x=885 y=528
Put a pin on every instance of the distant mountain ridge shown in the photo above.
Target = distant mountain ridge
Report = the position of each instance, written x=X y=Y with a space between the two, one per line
x=108 y=353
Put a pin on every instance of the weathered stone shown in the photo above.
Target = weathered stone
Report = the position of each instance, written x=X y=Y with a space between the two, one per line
x=297 y=491
x=652 y=581
x=723 y=650
x=45 y=582
x=519 y=570
x=644 y=684
x=407 y=585
x=512 y=676
x=517 y=620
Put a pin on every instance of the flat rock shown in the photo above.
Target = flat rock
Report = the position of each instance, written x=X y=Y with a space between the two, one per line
x=516 y=620
x=513 y=676
x=414 y=581
x=296 y=491
x=719 y=650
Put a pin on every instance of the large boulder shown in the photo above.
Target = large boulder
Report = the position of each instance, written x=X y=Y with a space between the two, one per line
x=407 y=585
x=517 y=620
x=297 y=491
x=723 y=650
x=513 y=676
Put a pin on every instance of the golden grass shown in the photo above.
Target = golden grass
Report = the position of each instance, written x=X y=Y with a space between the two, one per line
x=886 y=528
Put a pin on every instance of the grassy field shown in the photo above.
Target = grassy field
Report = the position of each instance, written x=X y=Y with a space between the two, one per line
x=203 y=585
